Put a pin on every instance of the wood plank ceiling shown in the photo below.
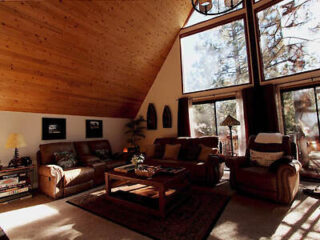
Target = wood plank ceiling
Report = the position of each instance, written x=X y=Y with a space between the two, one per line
x=91 y=58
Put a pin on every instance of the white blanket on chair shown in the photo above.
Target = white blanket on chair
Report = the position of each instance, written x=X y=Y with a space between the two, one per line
x=269 y=138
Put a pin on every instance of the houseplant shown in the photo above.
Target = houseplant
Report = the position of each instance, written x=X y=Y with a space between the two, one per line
x=135 y=132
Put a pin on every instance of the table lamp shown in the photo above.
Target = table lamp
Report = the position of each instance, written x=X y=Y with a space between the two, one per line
x=230 y=121
x=15 y=140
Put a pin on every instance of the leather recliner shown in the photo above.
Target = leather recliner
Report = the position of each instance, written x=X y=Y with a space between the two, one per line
x=279 y=182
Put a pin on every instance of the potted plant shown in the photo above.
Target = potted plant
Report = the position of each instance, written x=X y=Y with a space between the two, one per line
x=135 y=131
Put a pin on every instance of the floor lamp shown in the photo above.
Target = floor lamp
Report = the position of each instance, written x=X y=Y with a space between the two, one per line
x=229 y=122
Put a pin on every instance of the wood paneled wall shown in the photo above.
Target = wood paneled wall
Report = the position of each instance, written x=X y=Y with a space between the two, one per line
x=92 y=58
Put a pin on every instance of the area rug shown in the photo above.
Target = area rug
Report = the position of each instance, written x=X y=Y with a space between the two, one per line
x=193 y=219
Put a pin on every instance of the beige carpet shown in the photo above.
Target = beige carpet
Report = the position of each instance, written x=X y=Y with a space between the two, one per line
x=243 y=218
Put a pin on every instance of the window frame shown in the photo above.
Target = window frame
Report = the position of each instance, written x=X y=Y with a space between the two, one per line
x=258 y=7
x=214 y=101
x=242 y=16
x=297 y=88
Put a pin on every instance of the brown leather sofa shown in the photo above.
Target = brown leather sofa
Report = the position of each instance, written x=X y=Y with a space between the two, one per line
x=56 y=182
x=204 y=173
x=279 y=182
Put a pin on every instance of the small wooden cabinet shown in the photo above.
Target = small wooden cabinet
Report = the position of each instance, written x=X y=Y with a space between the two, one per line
x=16 y=183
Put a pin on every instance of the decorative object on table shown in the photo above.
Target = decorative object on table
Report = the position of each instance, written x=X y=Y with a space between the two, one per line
x=94 y=129
x=15 y=141
x=215 y=7
x=146 y=171
x=137 y=160
x=53 y=128
x=229 y=121
x=152 y=117
x=135 y=132
x=166 y=117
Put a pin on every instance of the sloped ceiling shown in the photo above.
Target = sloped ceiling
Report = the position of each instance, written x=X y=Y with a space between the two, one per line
x=92 y=58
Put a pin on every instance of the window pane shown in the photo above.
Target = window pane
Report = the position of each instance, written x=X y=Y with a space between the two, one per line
x=225 y=108
x=300 y=118
x=204 y=120
x=215 y=58
x=290 y=37
x=198 y=17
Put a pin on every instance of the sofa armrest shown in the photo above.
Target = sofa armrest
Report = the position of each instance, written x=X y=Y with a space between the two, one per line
x=51 y=180
x=99 y=169
x=288 y=181
x=214 y=169
x=235 y=162
x=51 y=171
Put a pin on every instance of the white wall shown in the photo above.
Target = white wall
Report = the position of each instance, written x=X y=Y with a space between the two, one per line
x=165 y=90
x=30 y=126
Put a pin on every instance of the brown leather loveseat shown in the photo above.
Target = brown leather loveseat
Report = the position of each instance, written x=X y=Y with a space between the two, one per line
x=207 y=173
x=57 y=182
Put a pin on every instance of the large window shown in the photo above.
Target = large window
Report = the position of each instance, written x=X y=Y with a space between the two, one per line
x=290 y=37
x=207 y=117
x=215 y=58
x=301 y=120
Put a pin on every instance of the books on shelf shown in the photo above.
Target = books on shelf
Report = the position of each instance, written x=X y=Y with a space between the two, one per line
x=125 y=168
x=13 y=191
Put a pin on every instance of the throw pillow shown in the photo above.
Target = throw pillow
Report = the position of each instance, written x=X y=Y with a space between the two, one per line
x=205 y=152
x=192 y=153
x=265 y=159
x=284 y=160
x=158 y=151
x=150 y=150
x=65 y=159
x=172 y=151
x=103 y=154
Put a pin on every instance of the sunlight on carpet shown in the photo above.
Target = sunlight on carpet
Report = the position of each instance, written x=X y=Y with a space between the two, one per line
x=13 y=219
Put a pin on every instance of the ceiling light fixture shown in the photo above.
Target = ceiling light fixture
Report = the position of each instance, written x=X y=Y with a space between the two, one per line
x=215 y=7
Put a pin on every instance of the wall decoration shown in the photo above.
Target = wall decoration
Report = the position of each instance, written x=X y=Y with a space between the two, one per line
x=166 y=117
x=94 y=128
x=151 y=117
x=53 y=128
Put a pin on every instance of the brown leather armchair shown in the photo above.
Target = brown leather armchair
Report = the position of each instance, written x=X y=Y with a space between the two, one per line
x=279 y=182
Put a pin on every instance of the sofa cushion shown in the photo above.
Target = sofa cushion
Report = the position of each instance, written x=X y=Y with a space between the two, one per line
x=257 y=177
x=99 y=144
x=172 y=151
x=192 y=152
x=103 y=154
x=205 y=152
x=82 y=148
x=65 y=160
x=47 y=151
x=78 y=175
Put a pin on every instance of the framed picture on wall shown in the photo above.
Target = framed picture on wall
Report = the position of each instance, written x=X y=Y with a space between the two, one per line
x=94 y=129
x=53 y=128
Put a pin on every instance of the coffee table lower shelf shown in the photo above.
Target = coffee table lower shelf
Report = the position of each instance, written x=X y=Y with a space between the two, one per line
x=170 y=192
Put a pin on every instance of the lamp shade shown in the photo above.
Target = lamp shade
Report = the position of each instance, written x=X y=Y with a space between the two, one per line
x=15 y=140
x=230 y=121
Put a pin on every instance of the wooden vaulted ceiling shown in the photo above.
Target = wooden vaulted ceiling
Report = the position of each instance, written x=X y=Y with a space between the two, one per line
x=78 y=57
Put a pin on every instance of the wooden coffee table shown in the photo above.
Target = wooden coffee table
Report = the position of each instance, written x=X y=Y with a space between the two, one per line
x=164 y=191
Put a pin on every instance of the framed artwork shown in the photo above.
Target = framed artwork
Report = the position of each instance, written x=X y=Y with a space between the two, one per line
x=166 y=117
x=94 y=129
x=53 y=128
x=151 y=117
